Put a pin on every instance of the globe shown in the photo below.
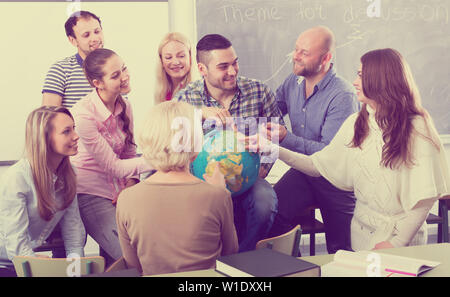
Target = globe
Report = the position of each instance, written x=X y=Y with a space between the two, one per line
x=239 y=167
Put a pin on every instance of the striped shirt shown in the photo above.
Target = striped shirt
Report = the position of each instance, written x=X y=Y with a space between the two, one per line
x=254 y=103
x=66 y=78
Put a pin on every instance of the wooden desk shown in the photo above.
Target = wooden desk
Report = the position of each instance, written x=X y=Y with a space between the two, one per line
x=435 y=252
x=196 y=273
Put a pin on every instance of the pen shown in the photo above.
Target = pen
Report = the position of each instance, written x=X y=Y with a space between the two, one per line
x=399 y=272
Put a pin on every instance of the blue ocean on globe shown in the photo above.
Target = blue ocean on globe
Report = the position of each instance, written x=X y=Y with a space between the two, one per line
x=239 y=167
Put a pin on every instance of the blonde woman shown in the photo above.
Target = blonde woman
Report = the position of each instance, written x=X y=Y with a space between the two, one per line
x=173 y=221
x=39 y=191
x=174 y=69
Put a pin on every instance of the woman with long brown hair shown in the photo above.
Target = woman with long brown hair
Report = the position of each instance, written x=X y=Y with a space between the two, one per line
x=39 y=191
x=389 y=154
x=107 y=161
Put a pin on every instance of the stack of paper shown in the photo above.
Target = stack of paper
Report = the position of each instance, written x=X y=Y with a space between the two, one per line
x=370 y=263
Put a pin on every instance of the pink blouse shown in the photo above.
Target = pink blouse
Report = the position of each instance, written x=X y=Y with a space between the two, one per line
x=103 y=162
x=169 y=95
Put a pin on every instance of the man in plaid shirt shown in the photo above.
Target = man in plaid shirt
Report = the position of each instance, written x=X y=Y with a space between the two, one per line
x=222 y=95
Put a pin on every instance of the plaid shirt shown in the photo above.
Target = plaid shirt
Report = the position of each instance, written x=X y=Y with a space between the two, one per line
x=253 y=100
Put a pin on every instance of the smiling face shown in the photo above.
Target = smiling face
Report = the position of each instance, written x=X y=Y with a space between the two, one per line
x=313 y=53
x=357 y=83
x=63 y=139
x=175 y=60
x=88 y=36
x=222 y=69
x=308 y=58
x=116 y=79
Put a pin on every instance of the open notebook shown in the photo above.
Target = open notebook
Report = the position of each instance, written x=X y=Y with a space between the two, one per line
x=370 y=263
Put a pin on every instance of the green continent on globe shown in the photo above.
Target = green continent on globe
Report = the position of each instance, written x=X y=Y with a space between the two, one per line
x=230 y=165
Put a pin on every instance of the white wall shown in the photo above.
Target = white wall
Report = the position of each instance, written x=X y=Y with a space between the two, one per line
x=32 y=38
x=182 y=18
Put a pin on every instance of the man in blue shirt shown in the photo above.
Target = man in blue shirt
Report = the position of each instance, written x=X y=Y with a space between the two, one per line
x=317 y=102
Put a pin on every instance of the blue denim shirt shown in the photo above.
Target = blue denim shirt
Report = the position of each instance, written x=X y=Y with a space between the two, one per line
x=315 y=120
x=21 y=226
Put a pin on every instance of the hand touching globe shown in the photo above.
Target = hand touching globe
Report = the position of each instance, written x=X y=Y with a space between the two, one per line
x=239 y=167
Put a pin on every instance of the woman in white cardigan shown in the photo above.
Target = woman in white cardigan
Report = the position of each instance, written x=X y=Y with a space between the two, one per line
x=389 y=154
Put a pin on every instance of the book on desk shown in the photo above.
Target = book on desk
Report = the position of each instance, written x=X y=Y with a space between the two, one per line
x=371 y=263
x=264 y=263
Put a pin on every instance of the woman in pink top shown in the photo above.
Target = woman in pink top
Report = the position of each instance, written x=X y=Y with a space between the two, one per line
x=107 y=161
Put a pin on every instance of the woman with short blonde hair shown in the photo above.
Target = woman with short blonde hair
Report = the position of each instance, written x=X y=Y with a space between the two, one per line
x=174 y=67
x=174 y=221
x=171 y=137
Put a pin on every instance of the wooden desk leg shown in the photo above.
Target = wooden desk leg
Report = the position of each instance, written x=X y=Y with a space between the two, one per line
x=443 y=228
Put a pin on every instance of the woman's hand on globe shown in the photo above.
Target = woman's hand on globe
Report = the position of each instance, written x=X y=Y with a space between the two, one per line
x=217 y=178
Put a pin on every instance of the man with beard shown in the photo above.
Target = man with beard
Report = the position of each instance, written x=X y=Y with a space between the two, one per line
x=317 y=102
x=222 y=95
x=65 y=82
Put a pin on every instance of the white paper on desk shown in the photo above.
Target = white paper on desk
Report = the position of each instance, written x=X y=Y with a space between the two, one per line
x=370 y=263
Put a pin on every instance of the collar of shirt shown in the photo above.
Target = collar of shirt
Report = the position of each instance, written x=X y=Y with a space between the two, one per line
x=103 y=112
x=322 y=83
x=79 y=59
x=212 y=101
x=251 y=99
x=327 y=78
x=168 y=95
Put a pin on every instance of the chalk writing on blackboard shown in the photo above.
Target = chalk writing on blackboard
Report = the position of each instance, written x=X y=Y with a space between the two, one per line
x=263 y=33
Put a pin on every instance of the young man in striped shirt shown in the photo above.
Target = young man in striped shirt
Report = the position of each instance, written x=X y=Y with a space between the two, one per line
x=65 y=82
x=223 y=94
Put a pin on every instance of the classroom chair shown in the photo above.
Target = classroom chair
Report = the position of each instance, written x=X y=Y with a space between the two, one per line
x=29 y=266
x=118 y=269
x=53 y=243
x=6 y=268
x=444 y=204
x=287 y=243
x=312 y=226
x=118 y=265
x=441 y=219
